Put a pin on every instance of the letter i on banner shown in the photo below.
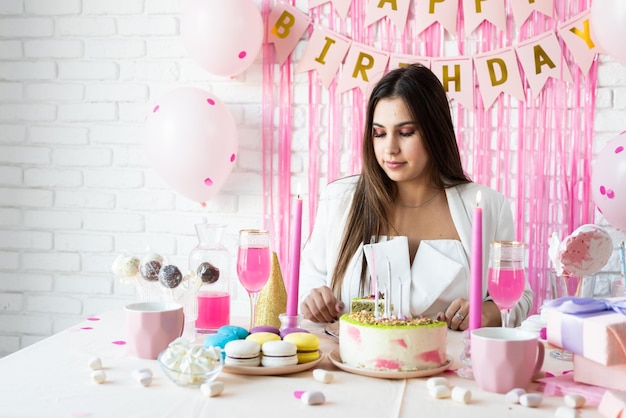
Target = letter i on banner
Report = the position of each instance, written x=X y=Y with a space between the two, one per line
x=324 y=52
x=286 y=26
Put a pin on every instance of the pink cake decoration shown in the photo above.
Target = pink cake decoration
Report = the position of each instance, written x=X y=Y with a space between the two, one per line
x=582 y=253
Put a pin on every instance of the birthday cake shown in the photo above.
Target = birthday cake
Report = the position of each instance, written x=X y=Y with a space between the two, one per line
x=389 y=344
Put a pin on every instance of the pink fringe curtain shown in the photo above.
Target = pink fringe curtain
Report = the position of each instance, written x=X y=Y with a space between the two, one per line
x=537 y=153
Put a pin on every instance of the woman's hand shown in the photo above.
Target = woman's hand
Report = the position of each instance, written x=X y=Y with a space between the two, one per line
x=321 y=305
x=457 y=315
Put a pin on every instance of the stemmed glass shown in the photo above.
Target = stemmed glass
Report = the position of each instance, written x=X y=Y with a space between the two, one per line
x=505 y=278
x=253 y=264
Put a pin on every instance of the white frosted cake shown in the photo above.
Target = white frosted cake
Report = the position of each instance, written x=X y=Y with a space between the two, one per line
x=392 y=344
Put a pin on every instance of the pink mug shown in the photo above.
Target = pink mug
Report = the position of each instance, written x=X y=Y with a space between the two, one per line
x=151 y=326
x=505 y=358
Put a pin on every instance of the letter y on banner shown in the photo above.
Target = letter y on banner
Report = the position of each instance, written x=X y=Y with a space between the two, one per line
x=577 y=35
x=286 y=25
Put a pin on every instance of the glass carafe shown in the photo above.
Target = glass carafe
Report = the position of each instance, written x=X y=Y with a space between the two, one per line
x=210 y=261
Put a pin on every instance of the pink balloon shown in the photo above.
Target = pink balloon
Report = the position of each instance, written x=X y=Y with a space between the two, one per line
x=192 y=142
x=608 y=180
x=222 y=36
x=608 y=27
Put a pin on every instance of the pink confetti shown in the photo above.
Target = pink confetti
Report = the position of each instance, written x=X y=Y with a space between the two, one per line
x=86 y=328
x=602 y=190
x=208 y=181
x=155 y=109
x=119 y=342
x=93 y=318
x=242 y=54
x=619 y=149
x=610 y=194
x=298 y=393
x=210 y=101
x=232 y=158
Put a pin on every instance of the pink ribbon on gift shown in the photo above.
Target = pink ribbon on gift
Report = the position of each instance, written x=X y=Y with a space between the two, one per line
x=577 y=309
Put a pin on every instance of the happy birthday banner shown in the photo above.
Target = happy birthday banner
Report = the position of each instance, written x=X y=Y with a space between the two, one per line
x=358 y=65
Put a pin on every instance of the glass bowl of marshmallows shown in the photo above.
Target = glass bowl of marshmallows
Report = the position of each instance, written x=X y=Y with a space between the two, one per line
x=190 y=365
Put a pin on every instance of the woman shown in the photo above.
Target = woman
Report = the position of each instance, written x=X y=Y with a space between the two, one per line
x=412 y=184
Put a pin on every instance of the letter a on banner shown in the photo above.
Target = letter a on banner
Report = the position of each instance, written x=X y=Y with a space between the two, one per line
x=286 y=25
x=541 y=57
x=363 y=66
x=396 y=10
x=324 y=53
x=498 y=72
x=457 y=78
x=577 y=35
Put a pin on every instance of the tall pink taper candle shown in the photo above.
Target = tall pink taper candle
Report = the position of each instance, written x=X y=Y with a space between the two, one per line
x=294 y=266
x=476 y=268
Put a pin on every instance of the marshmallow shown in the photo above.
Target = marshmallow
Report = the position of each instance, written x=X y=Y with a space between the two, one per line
x=514 y=394
x=461 y=394
x=530 y=400
x=436 y=381
x=95 y=363
x=143 y=377
x=98 y=376
x=313 y=398
x=211 y=389
x=574 y=401
x=137 y=372
x=323 y=376
x=566 y=412
x=439 y=391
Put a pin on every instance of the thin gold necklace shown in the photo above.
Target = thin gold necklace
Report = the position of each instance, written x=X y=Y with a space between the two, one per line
x=426 y=203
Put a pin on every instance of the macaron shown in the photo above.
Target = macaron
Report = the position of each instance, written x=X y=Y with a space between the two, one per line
x=265 y=328
x=286 y=331
x=238 y=331
x=219 y=340
x=279 y=353
x=308 y=345
x=263 y=337
x=243 y=353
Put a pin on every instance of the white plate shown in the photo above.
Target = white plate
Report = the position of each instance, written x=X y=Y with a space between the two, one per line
x=336 y=359
x=273 y=371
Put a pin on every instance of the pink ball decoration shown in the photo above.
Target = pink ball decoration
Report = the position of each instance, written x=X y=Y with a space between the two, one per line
x=608 y=181
x=608 y=27
x=222 y=36
x=192 y=142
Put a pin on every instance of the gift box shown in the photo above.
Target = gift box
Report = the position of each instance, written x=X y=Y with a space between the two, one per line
x=613 y=404
x=593 y=328
x=593 y=373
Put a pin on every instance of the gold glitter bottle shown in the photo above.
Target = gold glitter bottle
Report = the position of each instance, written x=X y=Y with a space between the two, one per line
x=272 y=298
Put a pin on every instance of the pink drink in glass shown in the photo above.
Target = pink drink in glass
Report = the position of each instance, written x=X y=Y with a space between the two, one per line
x=213 y=311
x=506 y=286
x=253 y=267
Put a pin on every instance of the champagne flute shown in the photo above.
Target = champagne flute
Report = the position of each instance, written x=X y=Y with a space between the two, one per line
x=505 y=278
x=253 y=264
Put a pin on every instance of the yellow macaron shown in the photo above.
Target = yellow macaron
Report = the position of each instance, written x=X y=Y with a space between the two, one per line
x=263 y=337
x=308 y=345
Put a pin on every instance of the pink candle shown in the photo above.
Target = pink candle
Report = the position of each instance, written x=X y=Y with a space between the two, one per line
x=476 y=268
x=294 y=266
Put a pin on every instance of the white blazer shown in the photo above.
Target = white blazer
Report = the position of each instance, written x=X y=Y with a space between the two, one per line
x=440 y=270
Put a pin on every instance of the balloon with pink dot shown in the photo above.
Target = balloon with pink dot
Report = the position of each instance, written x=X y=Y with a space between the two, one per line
x=192 y=142
x=608 y=181
x=222 y=36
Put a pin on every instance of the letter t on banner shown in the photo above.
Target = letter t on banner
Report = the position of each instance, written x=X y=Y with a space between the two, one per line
x=286 y=25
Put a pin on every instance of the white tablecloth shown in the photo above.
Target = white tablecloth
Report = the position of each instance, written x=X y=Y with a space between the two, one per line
x=52 y=379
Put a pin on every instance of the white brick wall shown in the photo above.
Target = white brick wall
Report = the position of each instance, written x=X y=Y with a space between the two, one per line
x=76 y=188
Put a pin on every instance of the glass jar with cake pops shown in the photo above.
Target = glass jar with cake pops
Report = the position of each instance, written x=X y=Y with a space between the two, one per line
x=210 y=261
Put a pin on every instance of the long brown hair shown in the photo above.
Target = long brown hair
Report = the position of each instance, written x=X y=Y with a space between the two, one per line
x=375 y=192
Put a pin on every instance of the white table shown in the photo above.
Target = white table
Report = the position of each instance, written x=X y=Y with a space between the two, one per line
x=52 y=379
